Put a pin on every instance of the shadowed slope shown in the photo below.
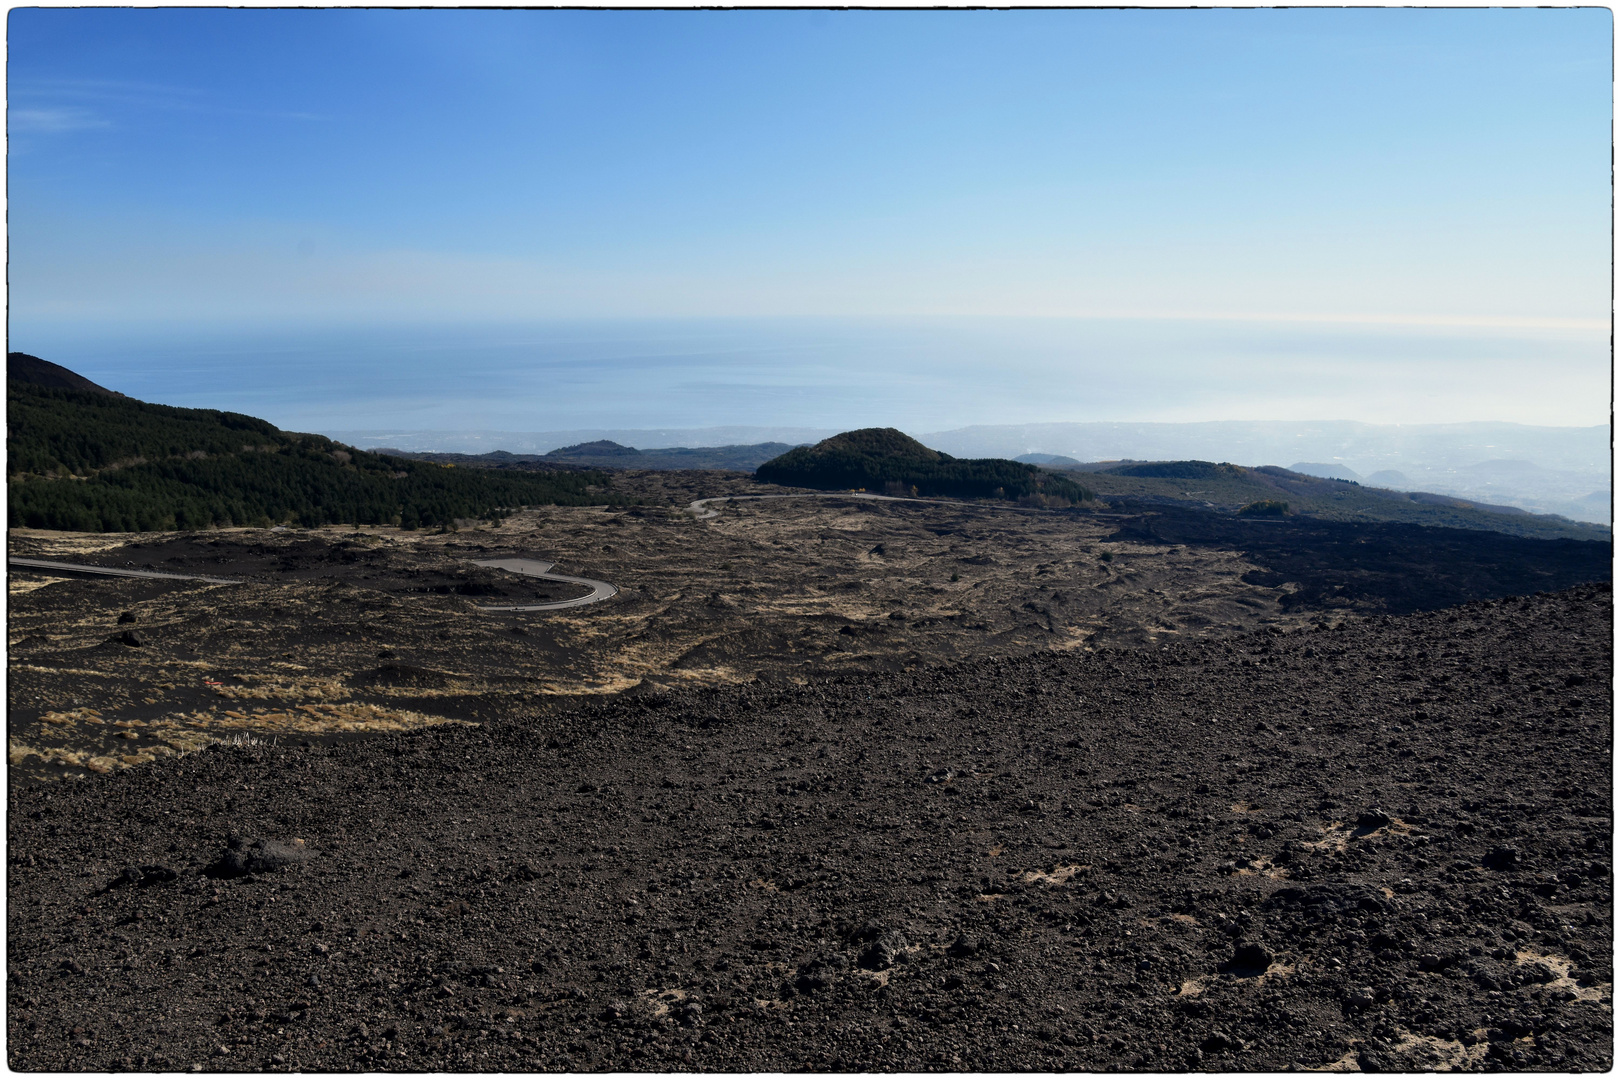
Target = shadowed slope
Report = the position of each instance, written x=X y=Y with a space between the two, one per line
x=23 y=368
x=884 y=459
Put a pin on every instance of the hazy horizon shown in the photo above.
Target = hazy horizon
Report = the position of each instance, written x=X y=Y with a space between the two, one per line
x=844 y=373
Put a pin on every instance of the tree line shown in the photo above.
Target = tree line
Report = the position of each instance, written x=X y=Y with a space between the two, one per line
x=87 y=462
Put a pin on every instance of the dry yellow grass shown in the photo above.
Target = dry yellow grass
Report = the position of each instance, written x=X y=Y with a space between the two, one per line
x=796 y=589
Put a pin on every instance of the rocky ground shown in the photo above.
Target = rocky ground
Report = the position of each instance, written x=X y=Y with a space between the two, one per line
x=342 y=632
x=1368 y=842
x=337 y=632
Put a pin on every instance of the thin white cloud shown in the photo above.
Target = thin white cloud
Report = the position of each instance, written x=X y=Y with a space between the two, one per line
x=120 y=91
x=113 y=94
x=51 y=120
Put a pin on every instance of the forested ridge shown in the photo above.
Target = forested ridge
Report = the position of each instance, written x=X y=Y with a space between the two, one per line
x=89 y=461
x=885 y=459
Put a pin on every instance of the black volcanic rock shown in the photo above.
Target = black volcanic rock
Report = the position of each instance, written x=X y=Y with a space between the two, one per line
x=884 y=950
x=821 y=972
x=1393 y=566
x=394 y=673
x=140 y=877
x=243 y=856
x=1248 y=959
x=584 y=875
x=1505 y=857
x=1374 y=819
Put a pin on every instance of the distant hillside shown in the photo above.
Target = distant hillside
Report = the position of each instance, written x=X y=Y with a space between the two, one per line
x=738 y=458
x=1228 y=487
x=83 y=458
x=1407 y=447
x=538 y=443
x=23 y=368
x=886 y=460
x=1545 y=470
x=604 y=454
x=1180 y=470
x=1325 y=470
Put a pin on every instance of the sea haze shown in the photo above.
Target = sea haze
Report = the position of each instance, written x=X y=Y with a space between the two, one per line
x=827 y=374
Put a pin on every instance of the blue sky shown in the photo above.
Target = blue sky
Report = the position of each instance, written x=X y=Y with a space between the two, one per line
x=209 y=172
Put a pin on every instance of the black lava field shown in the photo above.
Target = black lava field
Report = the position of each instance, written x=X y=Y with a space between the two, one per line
x=1380 y=845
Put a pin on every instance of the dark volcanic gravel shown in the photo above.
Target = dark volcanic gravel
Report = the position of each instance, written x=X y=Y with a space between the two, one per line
x=1385 y=846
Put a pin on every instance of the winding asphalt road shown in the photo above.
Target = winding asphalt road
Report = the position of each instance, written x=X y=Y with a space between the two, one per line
x=600 y=590
x=701 y=509
x=109 y=571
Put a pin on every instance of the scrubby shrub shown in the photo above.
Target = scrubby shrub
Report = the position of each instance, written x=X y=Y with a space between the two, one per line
x=1265 y=508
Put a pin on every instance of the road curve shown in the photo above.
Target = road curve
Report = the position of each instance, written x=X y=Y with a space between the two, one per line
x=700 y=509
x=600 y=590
x=109 y=571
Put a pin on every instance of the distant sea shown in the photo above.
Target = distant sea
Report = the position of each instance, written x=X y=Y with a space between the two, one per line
x=822 y=374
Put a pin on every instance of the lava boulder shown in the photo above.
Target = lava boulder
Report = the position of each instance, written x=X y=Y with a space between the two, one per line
x=139 y=877
x=243 y=857
x=1248 y=958
x=884 y=951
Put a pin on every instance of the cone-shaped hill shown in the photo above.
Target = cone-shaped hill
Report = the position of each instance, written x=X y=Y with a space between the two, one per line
x=892 y=462
x=889 y=444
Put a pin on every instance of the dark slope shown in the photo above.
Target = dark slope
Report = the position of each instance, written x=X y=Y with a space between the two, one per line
x=23 y=368
x=887 y=460
x=611 y=455
x=604 y=454
x=1375 y=565
x=1225 y=487
x=85 y=459
x=1383 y=844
